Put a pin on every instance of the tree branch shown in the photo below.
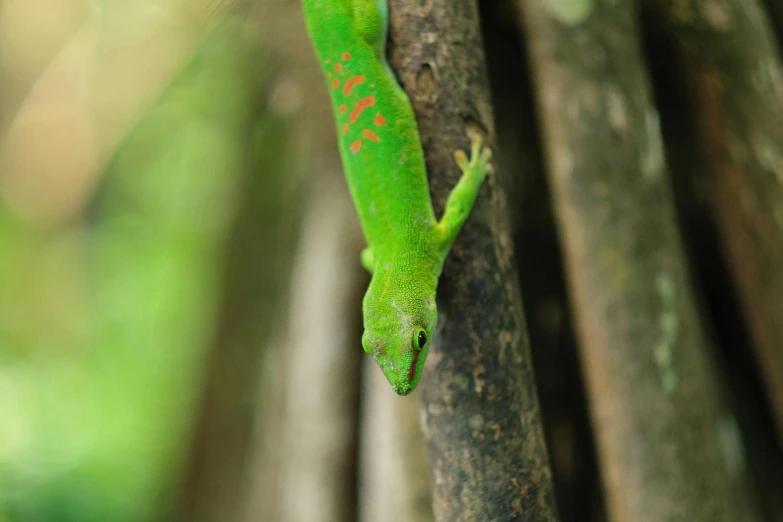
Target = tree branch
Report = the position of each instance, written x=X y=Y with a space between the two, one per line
x=654 y=395
x=488 y=459
x=734 y=70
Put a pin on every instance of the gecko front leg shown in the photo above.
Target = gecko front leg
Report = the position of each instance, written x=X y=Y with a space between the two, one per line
x=464 y=193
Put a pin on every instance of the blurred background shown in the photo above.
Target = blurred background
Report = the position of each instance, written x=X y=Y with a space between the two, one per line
x=128 y=131
x=180 y=288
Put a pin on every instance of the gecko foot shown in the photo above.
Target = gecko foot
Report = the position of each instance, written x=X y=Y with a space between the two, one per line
x=478 y=165
x=464 y=194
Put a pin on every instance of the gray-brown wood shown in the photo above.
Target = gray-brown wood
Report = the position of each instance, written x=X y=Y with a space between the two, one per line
x=313 y=438
x=481 y=420
x=251 y=286
x=236 y=442
x=733 y=66
x=394 y=479
x=668 y=448
x=302 y=463
x=253 y=290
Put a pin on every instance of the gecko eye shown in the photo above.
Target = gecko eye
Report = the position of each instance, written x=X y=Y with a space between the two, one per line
x=419 y=340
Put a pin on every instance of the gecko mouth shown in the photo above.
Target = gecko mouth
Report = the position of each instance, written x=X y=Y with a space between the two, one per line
x=384 y=361
x=391 y=370
x=414 y=364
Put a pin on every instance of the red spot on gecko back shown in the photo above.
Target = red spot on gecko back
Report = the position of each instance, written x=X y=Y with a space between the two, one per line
x=346 y=57
x=342 y=108
x=345 y=129
x=355 y=146
x=379 y=120
x=335 y=83
x=338 y=67
x=351 y=82
x=370 y=135
x=367 y=101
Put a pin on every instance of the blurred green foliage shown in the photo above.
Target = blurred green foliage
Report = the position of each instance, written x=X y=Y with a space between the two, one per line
x=104 y=320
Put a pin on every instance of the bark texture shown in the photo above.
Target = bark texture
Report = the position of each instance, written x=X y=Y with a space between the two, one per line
x=734 y=70
x=481 y=419
x=559 y=383
x=668 y=448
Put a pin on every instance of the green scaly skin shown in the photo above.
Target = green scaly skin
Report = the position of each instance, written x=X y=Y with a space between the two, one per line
x=384 y=165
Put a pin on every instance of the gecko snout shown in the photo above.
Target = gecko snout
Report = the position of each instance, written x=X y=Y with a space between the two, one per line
x=402 y=389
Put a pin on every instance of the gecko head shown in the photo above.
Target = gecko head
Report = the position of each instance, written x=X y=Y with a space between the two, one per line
x=398 y=330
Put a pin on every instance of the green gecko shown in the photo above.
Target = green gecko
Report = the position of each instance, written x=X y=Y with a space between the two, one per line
x=384 y=165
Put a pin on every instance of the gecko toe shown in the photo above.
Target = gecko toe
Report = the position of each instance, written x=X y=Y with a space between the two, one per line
x=462 y=159
x=486 y=154
x=475 y=146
